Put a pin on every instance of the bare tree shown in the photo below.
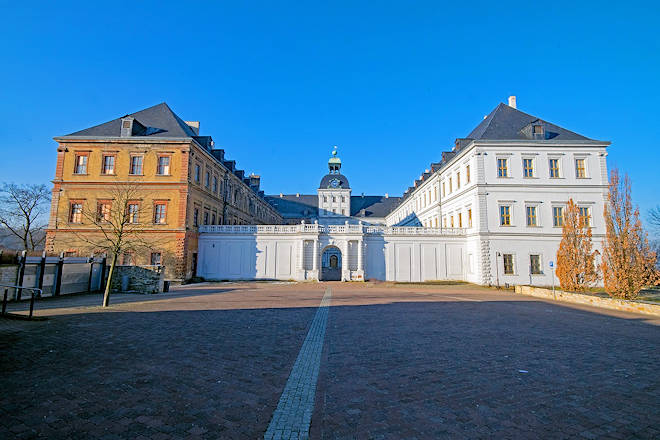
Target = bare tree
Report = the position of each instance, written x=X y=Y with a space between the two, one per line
x=654 y=218
x=628 y=262
x=22 y=212
x=119 y=223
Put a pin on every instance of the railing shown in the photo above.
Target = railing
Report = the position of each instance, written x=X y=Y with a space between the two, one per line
x=328 y=229
x=19 y=289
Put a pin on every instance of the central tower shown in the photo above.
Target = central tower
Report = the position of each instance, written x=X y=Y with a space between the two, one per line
x=334 y=192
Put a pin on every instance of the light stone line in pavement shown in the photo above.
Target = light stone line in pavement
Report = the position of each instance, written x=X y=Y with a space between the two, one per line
x=293 y=415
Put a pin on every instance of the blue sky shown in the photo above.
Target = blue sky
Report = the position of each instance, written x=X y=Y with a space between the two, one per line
x=277 y=84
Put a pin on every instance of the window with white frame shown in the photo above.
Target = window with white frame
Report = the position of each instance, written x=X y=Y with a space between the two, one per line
x=507 y=260
x=553 y=164
x=528 y=167
x=531 y=214
x=580 y=168
x=505 y=215
x=558 y=216
x=502 y=167
x=535 y=264
x=585 y=215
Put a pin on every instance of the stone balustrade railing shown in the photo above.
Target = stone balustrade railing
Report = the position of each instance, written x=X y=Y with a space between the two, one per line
x=327 y=229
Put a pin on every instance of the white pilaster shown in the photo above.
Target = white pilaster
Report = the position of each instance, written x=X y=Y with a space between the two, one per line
x=315 y=259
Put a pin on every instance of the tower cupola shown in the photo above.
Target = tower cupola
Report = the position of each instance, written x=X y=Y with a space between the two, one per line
x=334 y=163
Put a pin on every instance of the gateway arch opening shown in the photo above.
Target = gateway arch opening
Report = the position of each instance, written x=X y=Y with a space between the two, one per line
x=331 y=264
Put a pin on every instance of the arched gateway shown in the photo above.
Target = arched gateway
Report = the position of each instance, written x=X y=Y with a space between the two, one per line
x=331 y=262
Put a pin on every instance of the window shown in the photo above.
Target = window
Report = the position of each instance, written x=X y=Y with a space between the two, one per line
x=81 y=164
x=435 y=193
x=467 y=174
x=156 y=259
x=163 y=166
x=160 y=213
x=75 y=212
x=198 y=173
x=505 y=215
x=195 y=217
x=535 y=264
x=502 y=168
x=444 y=222
x=334 y=199
x=531 y=216
x=136 y=165
x=460 y=220
x=557 y=216
x=538 y=131
x=206 y=218
x=443 y=189
x=554 y=168
x=215 y=184
x=469 y=218
x=450 y=186
x=103 y=211
x=128 y=259
x=207 y=181
x=580 y=170
x=108 y=165
x=451 y=221
x=458 y=180
x=585 y=216
x=507 y=259
x=343 y=199
x=133 y=213
x=212 y=219
x=528 y=167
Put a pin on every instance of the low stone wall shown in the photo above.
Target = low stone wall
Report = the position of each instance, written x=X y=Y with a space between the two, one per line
x=577 y=298
x=141 y=279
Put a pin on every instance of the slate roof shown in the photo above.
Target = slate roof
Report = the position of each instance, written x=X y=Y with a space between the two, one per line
x=306 y=205
x=292 y=206
x=508 y=123
x=159 y=120
x=325 y=181
x=502 y=124
x=374 y=206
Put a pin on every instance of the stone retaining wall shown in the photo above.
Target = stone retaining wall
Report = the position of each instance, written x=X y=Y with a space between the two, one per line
x=141 y=279
x=577 y=298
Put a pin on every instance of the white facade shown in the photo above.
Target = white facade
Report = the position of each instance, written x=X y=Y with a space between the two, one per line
x=511 y=179
x=296 y=252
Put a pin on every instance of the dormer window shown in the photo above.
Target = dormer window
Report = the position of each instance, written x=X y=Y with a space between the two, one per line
x=127 y=127
x=538 y=131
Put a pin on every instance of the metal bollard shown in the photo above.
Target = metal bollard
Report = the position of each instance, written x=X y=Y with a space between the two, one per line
x=4 y=302
x=32 y=304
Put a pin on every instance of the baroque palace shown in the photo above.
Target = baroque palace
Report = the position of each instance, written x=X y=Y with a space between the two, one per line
x=490 y=211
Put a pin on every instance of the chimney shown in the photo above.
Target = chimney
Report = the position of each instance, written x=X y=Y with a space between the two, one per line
x=255 y=182
x=194 y=126
x=512 y=101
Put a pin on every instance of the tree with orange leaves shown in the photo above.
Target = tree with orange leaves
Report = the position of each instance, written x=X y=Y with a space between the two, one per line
x=628 y=262
x=576 y=268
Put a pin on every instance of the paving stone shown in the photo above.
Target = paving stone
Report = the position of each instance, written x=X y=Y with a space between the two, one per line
x=212 y=361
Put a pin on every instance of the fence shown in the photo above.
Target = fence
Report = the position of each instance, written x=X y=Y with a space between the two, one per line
x=54 y=276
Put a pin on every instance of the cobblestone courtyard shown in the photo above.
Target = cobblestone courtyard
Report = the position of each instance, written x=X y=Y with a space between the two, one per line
x=393 y=361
